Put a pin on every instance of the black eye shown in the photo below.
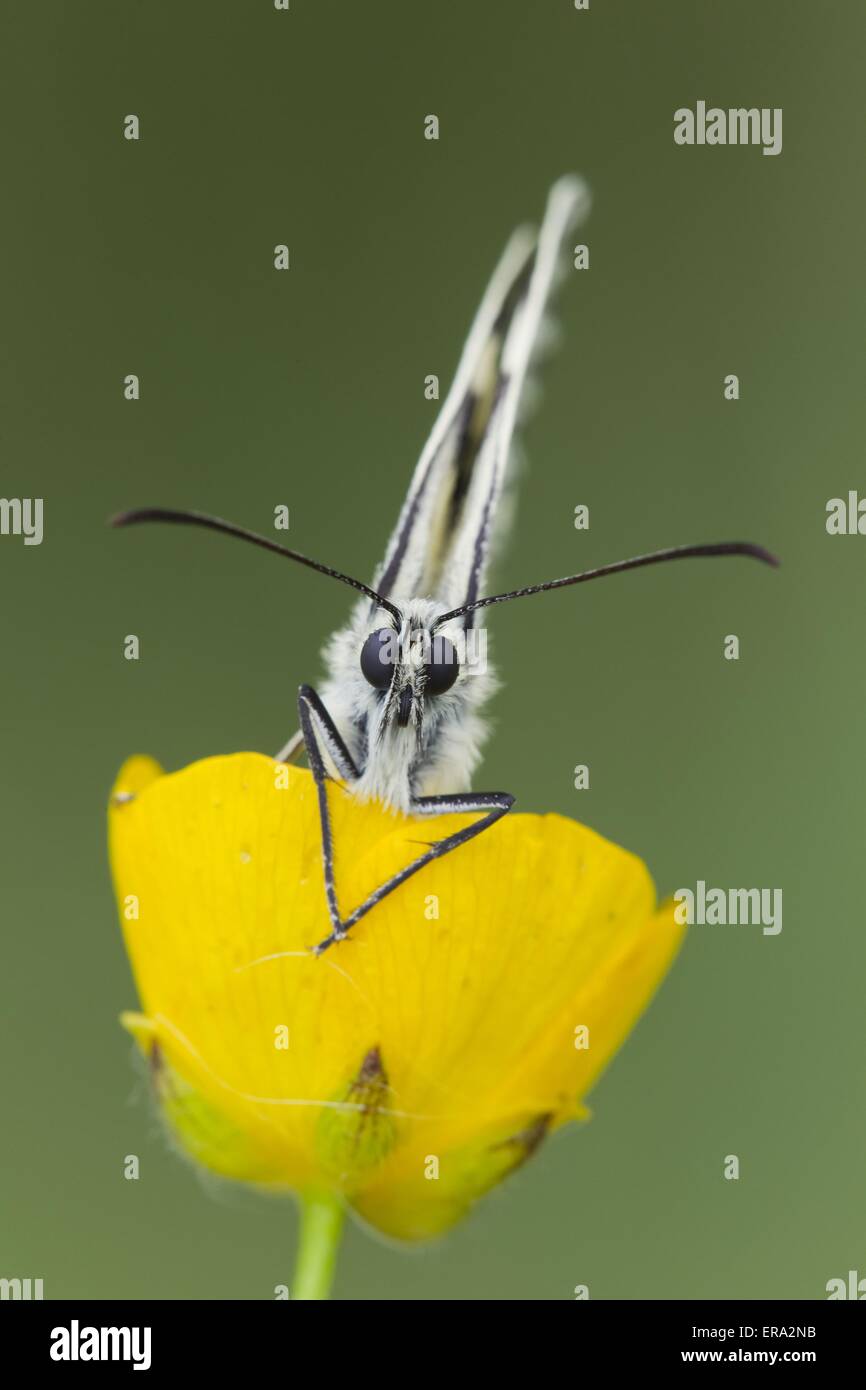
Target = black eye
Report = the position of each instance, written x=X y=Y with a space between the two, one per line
x=442 y=668
x=378 y=656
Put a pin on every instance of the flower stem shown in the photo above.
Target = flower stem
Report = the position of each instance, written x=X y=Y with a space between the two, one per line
x=321 y=1226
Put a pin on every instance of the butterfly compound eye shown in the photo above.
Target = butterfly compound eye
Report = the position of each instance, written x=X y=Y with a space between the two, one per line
x=378 y=656
x=442 y=668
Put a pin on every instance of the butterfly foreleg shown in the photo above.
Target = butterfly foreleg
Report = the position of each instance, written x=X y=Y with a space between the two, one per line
x=494 y=804
x=311 y=708
x=311 y=711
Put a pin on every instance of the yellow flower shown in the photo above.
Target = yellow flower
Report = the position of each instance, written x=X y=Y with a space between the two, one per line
x=414 y=1065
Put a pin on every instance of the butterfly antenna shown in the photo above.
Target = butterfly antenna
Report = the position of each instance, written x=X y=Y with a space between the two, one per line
x=657 y=557
x=215 y=523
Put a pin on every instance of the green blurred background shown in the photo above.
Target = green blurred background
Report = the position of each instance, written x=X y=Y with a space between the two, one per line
x=306 y=388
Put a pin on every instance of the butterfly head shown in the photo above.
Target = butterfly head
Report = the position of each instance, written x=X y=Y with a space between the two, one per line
x=413 y=670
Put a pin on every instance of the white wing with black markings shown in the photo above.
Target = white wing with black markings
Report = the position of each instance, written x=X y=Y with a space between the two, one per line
x=452 y=514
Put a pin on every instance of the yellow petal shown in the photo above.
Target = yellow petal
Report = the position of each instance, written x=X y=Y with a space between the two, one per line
x=204 y=1131
x=466 y=984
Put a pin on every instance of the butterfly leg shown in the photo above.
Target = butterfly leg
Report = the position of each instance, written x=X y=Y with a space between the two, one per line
x=494 y=805
x=311 y=711
x=292 y=750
